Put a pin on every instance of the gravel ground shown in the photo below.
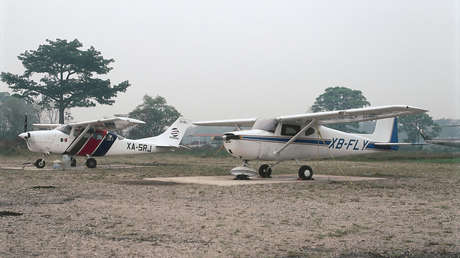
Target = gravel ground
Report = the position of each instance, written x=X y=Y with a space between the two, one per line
x=414 y=212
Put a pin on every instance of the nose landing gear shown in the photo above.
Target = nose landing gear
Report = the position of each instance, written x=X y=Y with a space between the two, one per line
x=39 y=163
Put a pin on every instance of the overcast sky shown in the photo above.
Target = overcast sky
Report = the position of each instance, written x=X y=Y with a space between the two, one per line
x=237 y=59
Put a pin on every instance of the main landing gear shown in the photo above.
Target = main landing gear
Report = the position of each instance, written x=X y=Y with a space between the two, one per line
x=265 y=171
x=244 y=172
x=91 y=163
x=305 y=172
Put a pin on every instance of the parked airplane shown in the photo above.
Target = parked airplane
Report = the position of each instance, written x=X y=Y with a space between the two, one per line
x=93 y=139
x=451 y=142
x=304 y=136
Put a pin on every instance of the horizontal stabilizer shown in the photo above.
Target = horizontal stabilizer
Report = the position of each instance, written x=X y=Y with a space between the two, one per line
x=397 y=143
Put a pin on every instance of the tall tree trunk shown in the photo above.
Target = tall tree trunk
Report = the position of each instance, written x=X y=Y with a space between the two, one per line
x=61 y=115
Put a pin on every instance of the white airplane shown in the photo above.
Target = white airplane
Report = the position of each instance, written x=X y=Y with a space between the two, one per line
x=304 y=136
x=93 y=139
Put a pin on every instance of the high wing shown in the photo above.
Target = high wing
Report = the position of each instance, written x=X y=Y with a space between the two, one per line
x=116 y=123
x=353 y=115
x=231 y=122
x=46 y=126
x=328 y=117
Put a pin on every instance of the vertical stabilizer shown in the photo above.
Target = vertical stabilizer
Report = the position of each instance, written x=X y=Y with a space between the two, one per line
x=386 y=130
x=173 y=135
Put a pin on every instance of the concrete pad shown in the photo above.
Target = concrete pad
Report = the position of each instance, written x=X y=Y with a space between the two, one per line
x=229 y=180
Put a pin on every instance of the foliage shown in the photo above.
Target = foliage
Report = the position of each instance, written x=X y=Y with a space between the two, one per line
x=66 y=77
x=410 y=123
x=340 y=98
x=12 y=116
x=156 y=114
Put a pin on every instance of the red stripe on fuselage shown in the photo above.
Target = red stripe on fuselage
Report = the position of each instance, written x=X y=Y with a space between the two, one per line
x=92 y=143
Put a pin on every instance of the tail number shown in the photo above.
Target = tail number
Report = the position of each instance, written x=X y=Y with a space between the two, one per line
x=139 y=147
x=351 y=144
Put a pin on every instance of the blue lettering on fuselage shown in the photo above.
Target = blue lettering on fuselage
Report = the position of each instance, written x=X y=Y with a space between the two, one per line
x=351 y=144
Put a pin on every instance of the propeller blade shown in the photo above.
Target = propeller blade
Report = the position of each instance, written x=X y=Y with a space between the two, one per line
x=25 y=123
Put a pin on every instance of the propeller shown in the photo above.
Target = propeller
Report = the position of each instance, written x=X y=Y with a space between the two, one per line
x=25 y=135
x=25 y=123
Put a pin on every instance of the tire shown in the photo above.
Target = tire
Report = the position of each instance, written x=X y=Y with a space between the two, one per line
x=73 y=162
x=265 y=171
x=40 y=163
x=91 y=163
x=305 y=176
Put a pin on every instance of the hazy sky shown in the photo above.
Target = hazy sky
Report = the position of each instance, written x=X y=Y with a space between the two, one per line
x=237 y=59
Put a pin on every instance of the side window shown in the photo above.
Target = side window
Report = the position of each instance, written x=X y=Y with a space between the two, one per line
x=309 y=131
x=109 y=137
x=290 y=130
x=98 y=136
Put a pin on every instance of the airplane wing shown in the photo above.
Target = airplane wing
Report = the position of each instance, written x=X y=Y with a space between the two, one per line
x=116 y=123
x=231 y=122
x=353 y=115
x=328 y=117
x=46 y=126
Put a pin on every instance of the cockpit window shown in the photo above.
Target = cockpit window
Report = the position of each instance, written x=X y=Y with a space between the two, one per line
x=268 y=125
x=65 y=129
x=98 y=136
x=109 y=138
x=290 y=130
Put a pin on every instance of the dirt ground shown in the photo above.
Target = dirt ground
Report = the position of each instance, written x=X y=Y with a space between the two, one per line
x=413 y=212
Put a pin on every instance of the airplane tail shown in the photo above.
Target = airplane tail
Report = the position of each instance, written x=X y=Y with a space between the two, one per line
x=173 y=135
x=386 y=131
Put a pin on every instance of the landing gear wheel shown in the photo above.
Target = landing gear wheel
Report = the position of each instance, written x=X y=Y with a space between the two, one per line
x=91 y=163
x=73 y=162
x=40 y=163
x=265 y=171
x=306 y=173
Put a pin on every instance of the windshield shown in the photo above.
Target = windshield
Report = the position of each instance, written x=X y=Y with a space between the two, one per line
x=65 y=129
x=265 y=124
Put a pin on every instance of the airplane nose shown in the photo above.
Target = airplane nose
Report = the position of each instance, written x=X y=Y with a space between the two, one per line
x=24 y=136
x=230 y=136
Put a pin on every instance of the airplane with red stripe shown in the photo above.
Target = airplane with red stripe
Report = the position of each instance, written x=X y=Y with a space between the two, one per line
x=96 y=138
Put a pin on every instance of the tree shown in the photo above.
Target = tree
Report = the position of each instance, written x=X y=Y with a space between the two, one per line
x=12 y=113
x=156 y=114
x=409 y=125
x=66 y=77
x=340 y=98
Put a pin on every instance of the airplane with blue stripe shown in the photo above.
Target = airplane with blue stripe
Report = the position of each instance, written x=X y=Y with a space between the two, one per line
x=306 y=136
x=96 y=138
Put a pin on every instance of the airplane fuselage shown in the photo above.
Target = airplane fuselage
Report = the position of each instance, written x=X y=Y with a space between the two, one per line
x=100 y=143
x=324 y=143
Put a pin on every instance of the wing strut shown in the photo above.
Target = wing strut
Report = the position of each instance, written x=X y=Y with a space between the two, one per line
x=295 y=136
